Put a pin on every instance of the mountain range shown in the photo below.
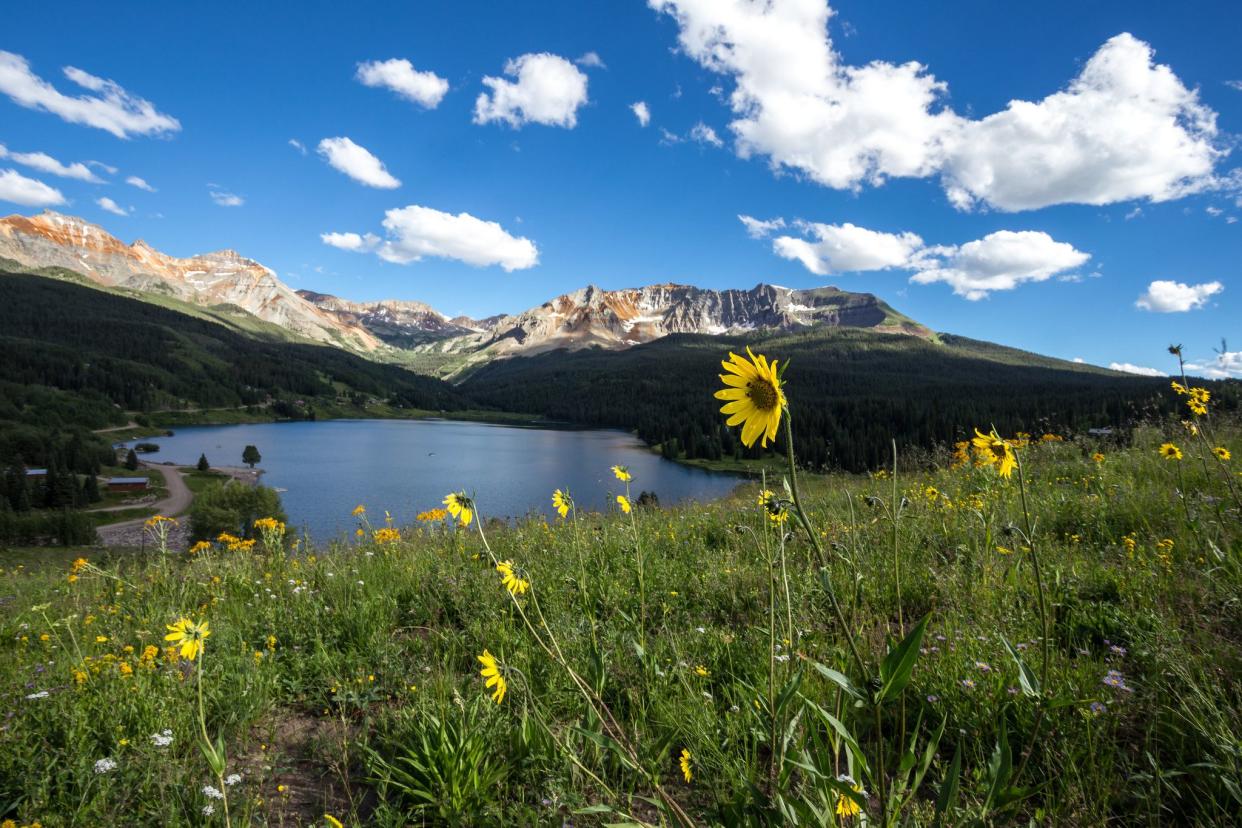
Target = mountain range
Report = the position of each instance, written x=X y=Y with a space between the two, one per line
x=418 y=335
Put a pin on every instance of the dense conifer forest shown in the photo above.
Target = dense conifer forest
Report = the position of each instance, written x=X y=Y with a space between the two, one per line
x=857 y=391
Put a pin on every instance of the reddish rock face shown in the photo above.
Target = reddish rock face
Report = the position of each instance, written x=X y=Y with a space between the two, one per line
x=225 y=277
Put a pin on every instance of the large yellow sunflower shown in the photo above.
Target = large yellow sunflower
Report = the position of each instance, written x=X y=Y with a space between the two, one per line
x=754 y=397
x=562 y=502
x=460 y=507
x=511 y=578
x=189 y=636
x=993 y=451
x=495 y=679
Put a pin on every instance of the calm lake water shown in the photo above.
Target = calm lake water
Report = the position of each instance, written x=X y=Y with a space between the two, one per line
x=325 y=469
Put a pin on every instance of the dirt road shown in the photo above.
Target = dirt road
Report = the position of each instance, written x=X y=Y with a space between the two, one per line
x=178 y=500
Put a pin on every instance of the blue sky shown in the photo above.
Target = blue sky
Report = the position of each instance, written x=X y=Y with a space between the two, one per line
x=1040 y=224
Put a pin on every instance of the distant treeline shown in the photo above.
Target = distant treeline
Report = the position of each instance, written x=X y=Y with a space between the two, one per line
x=851 y=391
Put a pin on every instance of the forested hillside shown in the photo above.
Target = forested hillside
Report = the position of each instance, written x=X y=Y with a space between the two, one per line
x=856 y=390
x=73 y=357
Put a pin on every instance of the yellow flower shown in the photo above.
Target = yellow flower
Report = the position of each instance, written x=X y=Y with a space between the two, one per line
x=269 y=524
x=686 y=769
x=702 y=671
x=562 y=502
x=201 y=546
x=624 y=503
x=1200 y=395
x=1051 y=438
x=71 y=578
x=359 y=510
x=1170 y=452
x=993 y=451
x=332 y=821
x=754 y=397
x=846 y=806
x=189 y=635
x=460 y=507
x=1197 y=408
x=79 y=565
x=622 y=473
x=1004 y=550
x=154 y=522
x=1098 y=457
x=386 y=535
x=512 y=579
x=491 y=672
x=431 y=515
x=776 y=509
x=1221 y=453
x=101 y=639
x=1179 y=388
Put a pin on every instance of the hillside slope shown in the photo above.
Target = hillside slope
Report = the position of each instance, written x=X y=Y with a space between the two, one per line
x=74 y=353
x=856 y=390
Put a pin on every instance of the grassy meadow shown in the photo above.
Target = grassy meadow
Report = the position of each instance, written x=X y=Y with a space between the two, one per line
x=707 y=665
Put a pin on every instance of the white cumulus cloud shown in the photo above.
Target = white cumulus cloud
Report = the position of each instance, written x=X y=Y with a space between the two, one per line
x=1226 y=365
x=591 y=60
x=999 y=261
x=1125 y=128
x=414 y=232
x=1167 y=296
x=135 y=181
x=839 y=248
x=223 y=198
x=704 y=134
x=111 y=206
x=1141 y=370
x=351 y=241
x=759 y=228
x=357 y=163
x=28 y=192
x=641 y=112
x=426 y=89
x=45 y=163
x=111 y=108
x=547 y=90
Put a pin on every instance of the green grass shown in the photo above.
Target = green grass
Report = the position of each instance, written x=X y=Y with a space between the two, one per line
x=367 y=702
x=197 y=480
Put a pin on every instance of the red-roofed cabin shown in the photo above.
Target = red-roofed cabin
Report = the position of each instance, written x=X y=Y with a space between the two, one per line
x=127 y=484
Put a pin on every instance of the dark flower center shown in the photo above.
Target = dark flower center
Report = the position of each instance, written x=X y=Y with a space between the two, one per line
x=762 y=394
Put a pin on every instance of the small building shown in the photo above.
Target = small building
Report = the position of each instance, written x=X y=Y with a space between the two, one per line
x=40 y=473
x=127 y=484
x=1100 y=432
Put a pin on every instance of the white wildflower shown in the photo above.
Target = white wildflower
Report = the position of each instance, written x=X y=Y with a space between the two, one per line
x=105 y=765
x=42 y=694
x=212 y=793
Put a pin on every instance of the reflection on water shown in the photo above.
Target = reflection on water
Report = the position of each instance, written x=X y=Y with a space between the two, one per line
x=325 y=469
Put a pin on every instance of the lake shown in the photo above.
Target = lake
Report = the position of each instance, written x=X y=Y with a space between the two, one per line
x=324 y=469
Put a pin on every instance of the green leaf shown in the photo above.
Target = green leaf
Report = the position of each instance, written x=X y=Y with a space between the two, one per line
x=897 y=666
x=841 y=730
x=948 y=787
x=1000 y=766
x=608 y=743
x=788 y=691
x=1030 y=684
x=595 y=809
x=838 y=678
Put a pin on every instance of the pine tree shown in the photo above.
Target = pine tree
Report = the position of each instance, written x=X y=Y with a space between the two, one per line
x=131 y=461
x=91 y=489
x=250 y=456
x=203 y=465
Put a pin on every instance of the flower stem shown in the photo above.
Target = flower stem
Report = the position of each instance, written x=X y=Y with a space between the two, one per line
x=810 y=533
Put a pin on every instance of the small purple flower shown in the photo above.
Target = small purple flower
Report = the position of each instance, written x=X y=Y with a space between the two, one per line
x=969 y=684
x=940 y=637
x=1116 y=680
x=1117 y=649
x=983 y=667
x=1098 y=708
x=1013 y=691
x=933 y=698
